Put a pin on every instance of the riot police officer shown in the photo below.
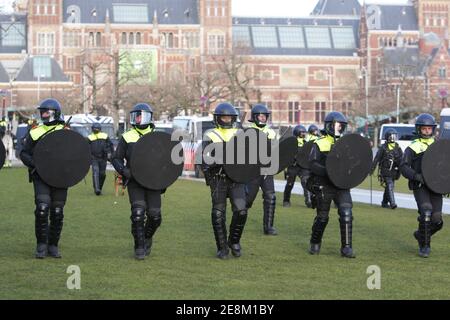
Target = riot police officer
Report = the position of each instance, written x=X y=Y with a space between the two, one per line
x=313 y=133
x=295 y=170
x=325 y=191
x=225 y=117
x=101 y=150
x=259 y=117
x=3 y=127
x=49 y=200
x=388 y=157
x=145 y=203
x=429 y=204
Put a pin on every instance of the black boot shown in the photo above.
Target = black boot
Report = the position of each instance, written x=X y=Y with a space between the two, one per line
x=346 y=226
x=318 y=228
x=102 y=181
x=385 y=202
x=41 y=229
x=424 y=234
x=287 y=195
x=391 y=196
x=236 y=228
x=96 y=183
x=220 y=233
x=269 y=215
x=56 y=225
x=151 y=225
x=138 y=232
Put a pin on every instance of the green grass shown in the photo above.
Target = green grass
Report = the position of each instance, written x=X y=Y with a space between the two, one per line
x=182 y=265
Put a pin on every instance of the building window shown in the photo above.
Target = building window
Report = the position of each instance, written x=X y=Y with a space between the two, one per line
x=168 y=40
x=46 y=43
x=191 y=40
x=123 y=38
x=130 y=13
x=70 y=63
x=138 y=38
x=131 y=38
x=12 y=34
x=42 y=67
x=346 y=106
x=264 y=37
x=294 y=111
x=71 y=39
x=320 y=109
x=216 y=44
x=98 y=39
x=442 y=72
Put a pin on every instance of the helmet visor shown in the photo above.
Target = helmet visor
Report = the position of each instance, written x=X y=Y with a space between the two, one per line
x=46 y=115
x=140 y=118
x=392 y=137
x=339 y=128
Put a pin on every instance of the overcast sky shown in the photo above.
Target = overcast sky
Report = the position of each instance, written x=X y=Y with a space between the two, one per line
x=272 y=8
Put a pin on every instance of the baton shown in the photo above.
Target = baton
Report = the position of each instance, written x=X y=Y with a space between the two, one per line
x=370 y=189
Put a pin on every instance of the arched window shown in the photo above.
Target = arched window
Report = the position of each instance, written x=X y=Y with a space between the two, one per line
x=124 y=38
x=131 y=38
x=138 y=38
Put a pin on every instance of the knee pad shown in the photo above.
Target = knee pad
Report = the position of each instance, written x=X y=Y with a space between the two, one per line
x=154 y=212
x=137 y=214
x=436 y=218
x=345 y=213
x=321 y=219
x=57 y=213
x=42 y=210
x=241 y=213
x=217 y=216
x=426 y=212
x=270 y=198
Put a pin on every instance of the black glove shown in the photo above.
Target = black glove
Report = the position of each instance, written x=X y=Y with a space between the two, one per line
x=126 y=173
x=419 y=178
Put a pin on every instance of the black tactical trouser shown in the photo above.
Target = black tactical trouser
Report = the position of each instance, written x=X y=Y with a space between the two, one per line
x=145 y=212
x=221 y=189
x=49 y=202
x=388 y=195
x=291 y=175
x=429 y=206
x=267 y=186
x=98 y=174
x=343 y=199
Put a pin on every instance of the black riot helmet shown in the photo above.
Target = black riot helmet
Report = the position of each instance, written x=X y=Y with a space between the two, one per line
x=425 y=120
x=391 y=135
x=256 y=111
x=331 y=121
x=299 y=131
x=96 y=127
x=141 y=116
x=225 y=109
x=50 y=112
x=314 y=130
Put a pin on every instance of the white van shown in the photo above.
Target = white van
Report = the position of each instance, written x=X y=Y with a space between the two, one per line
x=406 y=133
x=445 y=124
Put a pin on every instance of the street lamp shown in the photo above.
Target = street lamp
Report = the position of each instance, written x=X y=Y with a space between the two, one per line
x=330 y=80
x=364 y=76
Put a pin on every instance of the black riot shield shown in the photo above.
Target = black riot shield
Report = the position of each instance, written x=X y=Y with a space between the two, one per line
x=2 y=154
x=242 y=156
x=287 y=149
x=157 y=161
x=302 y=157
x=62 y=158
x=349 y=161
x=436 y=167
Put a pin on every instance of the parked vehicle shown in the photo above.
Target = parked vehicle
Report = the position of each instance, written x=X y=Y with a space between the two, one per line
x=82 y=123
x=406 y=133
x=444 y=128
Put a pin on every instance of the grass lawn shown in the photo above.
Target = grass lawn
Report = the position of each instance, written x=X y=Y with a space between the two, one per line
x=97 y=238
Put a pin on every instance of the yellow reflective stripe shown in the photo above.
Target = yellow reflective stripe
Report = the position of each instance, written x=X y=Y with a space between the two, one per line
x=324 y=143
x=99 y=136
x=133 y=135
x=421 y=145
x=38 y=132
x=300 y=142
x=311 y=137
x=221 y=135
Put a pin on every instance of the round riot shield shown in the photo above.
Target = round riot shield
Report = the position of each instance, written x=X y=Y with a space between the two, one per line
x=287 y=149
x=436 y=167
x=302 y=156
x=349 y=161
x=2 y=154
x=157 y=161
x=244 y=154
x=62 y=158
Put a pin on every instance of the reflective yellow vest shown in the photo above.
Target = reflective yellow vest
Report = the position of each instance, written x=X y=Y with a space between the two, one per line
x=270 y=132
x=325 y=143
x=98 y=136
x=300 y=142
x=421 y=145
x=219 y=135
x=38 y=132
x=133 y=135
